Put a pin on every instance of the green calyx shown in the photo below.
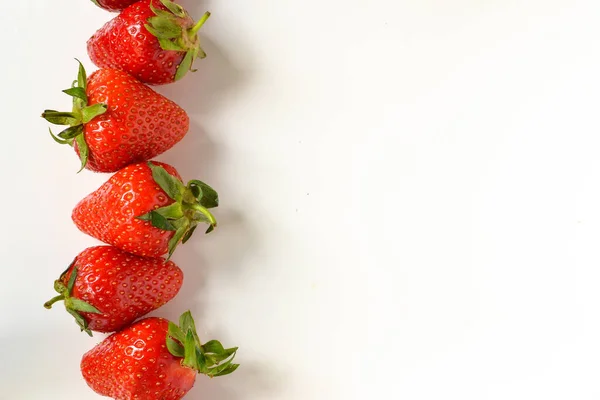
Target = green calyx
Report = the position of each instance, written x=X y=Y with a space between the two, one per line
x=73 y=305
x=191 y=207
x=210 y=358
x=75 y=120
x=175 y=31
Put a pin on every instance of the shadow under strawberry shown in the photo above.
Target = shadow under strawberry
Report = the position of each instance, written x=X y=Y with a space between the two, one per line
x=202 y=93
x=208 y=90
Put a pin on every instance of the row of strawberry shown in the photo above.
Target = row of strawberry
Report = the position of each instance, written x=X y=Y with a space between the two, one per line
x=142 y=213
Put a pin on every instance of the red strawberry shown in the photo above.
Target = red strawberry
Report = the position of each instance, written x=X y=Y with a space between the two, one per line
x=154 y=40
x=117 y=120
x=113 y=5
x=146 y=210
x=106 y=289
x=154 y=359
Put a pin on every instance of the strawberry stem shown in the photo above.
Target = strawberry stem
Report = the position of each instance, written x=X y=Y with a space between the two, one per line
x=74 y=306
x=48 y=305
x=199 y=24
x=204 y=211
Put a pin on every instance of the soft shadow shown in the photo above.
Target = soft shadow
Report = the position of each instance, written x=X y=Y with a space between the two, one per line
x=197 y=156
x=249 y=380
x=205 y=91
x=195 y=273
x=238 y=239
x=206 y=388
x=232 y=241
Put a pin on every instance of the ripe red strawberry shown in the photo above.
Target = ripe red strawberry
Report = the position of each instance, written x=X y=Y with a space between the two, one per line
x=146 y=210
x=113 y=5
x=156 y=41
x=117 y=120
x=154 y=359
x=106 y=289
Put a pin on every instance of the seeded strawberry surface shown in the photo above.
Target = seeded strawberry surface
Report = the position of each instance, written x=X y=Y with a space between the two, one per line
x=145 y=209
x=110 y=213
x=124 y=43
x=139 y=123
x=114 y=5
x=136 y=364
x=122 y=286
x=154 y=359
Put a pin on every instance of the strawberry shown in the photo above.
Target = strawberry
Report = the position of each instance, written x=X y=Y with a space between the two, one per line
x=146 y=210
x=117 y=120
x=113 y=5
x=106 y=289
x=154 y=359
x=156 y=41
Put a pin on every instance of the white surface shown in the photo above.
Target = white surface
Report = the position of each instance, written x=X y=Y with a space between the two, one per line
x=410 y=198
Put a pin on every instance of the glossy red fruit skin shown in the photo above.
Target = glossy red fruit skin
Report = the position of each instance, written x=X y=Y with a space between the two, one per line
x=114 y=5
x=110 y=213
x=124 y=287
x=138 y=125
x=124 y=43
x=136 y=364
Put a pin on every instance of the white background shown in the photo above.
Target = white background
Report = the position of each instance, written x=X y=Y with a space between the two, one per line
x=410 y=198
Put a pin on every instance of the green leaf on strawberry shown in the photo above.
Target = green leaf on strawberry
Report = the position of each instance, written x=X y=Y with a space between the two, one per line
x=188 y=235
x=73 y=305
x=59 y=118
x=175 y=332
x=81 y=114
x=181 y=359
x=57 y=139
x=211 y=358
x=172 y=186
x=77 y=92
x=169 y=29
x=174 y=8
x=83 y=151
x=81 y=76
x=189 y=209
x=206 y=195
x=175 y=348
x=71 y=132
x=90 y=112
